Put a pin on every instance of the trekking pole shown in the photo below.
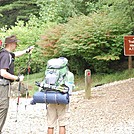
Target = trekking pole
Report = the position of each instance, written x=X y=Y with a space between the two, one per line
x=18 y=100
x=28 y=72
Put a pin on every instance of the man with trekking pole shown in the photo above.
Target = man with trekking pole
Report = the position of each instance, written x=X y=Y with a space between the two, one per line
x=7 y=57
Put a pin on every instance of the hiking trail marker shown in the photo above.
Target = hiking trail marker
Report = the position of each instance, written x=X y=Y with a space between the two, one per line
x=87 y=83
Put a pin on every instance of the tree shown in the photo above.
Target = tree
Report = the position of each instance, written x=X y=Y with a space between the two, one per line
x=14 y=10
x=122 y=8
x=45 y=10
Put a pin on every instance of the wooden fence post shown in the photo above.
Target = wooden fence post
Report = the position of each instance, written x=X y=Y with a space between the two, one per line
x=87 y=83
x=130 y=62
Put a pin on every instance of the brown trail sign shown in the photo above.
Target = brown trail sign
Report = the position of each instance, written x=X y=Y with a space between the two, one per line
x=129 y=45
x=129 y=48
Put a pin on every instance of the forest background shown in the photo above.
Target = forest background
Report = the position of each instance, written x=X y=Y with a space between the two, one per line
x=88 y=32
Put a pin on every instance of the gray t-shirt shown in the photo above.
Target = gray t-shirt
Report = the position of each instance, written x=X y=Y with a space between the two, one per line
x=7 y=61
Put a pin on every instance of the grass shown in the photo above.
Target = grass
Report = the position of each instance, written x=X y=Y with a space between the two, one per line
x=107 y=78
x=30 y=80
x=97 y=79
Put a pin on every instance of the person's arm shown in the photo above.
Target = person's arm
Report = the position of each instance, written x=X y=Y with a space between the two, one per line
x=20 y=53
x=5 y=74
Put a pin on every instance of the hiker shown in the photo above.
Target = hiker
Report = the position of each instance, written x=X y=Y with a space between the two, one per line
x=58 y=112
x=55 y=90
x=7 y=57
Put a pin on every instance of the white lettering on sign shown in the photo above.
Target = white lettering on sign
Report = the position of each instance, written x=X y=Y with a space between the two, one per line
x=131 y=41
x=131 y=45
x=131 y=48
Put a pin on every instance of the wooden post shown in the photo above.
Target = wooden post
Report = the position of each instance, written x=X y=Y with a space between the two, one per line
x=87 y=84
x=130 y=62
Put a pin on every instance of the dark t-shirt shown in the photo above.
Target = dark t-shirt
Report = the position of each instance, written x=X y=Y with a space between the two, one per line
x=7 y=61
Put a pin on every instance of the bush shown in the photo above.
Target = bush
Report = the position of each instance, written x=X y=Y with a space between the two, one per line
x=91 y=41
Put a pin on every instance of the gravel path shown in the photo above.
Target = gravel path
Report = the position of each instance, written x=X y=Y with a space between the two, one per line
x=109 y=111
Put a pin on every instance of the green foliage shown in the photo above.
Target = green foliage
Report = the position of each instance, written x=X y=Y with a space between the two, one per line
x=93 y=41
x=97 y=39
x=49 y=40
x=123 y=9
x=86 y=6
x=17 y=9
x=56 y=10
x=46 y=10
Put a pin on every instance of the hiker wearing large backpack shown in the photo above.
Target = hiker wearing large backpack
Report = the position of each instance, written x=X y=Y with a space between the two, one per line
x=58 y=112
x=7 y=57
x=55 y=90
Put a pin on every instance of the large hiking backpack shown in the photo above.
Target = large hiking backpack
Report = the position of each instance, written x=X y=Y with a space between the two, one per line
x=55 y=74
x=57 y=84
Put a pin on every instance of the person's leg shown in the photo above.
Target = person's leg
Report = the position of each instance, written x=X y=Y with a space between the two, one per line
x=62 y=130
x=4 y=104
x=63 y=117
x=50 y=130
x=3 y=115
x=51 y=117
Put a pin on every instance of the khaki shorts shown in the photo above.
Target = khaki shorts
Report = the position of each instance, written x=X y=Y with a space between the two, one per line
x=57 y=113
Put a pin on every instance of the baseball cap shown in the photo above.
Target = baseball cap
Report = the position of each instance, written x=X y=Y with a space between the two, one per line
x=11 y=39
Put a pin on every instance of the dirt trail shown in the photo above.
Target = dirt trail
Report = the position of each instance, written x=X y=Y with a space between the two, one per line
x=109 y=111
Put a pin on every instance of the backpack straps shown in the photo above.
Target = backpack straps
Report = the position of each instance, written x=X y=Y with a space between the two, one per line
x=10 y=59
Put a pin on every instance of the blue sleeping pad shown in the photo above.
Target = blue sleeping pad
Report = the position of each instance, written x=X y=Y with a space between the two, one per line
x=53 y=97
